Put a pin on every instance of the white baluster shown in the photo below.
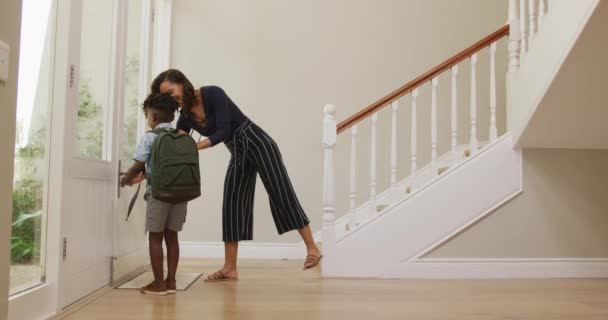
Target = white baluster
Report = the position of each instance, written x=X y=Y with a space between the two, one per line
x=532 y=9
x=474 y=145
x=523 y=22
x=355 y=219
x=454 y=112
x=514 y=37
x=372 y=171
x=413 y=184
x=435 y=84
x=394 y=192
x=542 y=12
x=329 y=202
x=493 y=129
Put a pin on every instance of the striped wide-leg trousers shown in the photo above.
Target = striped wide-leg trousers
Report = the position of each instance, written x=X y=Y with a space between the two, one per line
x=254 y=152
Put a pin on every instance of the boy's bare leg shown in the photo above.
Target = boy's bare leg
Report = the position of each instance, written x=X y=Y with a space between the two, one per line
x=156 y=257
x=172 y=242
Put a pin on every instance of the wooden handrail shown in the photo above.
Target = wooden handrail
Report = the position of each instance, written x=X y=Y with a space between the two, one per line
x=446 y=65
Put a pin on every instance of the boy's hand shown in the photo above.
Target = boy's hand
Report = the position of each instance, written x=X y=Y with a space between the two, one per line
x=124 y=181
x=135 y=173
x=141 y=177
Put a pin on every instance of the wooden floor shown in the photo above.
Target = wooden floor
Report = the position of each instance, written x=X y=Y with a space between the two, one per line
x=280 y=290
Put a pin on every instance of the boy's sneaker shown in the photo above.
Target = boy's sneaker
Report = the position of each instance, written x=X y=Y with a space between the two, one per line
x=171 y=287
x=154 y=289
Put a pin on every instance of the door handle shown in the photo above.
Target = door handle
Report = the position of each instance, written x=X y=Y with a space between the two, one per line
x=120 y=174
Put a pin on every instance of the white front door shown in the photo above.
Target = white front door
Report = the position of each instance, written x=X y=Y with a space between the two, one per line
x=109 y=58
x=91 y=126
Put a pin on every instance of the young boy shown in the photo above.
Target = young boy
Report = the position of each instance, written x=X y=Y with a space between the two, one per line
x=163 y=219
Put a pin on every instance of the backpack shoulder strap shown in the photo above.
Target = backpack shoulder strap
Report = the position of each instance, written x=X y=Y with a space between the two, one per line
x=161 y=130
x=132 y=202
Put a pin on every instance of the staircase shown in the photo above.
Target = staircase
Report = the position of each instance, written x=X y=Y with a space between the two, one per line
x=389 y=234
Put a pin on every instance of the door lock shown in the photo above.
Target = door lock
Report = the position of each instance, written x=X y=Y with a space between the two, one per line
x=120 y=174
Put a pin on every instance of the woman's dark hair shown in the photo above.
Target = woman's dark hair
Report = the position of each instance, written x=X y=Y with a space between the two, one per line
x=163 y=105
x=176 y=76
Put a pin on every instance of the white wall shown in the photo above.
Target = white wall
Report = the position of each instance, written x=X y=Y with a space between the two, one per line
x=10 y=25
x=281 y=61
x=561 y=214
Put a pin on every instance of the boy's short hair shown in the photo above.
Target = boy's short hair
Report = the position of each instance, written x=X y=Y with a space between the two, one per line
x=162 y=105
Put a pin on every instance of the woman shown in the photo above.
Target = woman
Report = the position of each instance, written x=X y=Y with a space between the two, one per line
x=211 y=113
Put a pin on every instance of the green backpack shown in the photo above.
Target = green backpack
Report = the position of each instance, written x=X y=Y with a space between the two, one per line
x=175 y=175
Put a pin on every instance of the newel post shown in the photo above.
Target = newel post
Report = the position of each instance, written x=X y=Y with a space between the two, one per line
x=329 y=198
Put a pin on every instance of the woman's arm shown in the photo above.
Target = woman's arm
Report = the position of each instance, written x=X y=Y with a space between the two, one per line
x=223 y=118
x=182 y=125
x=184 y=128
x=203 y=144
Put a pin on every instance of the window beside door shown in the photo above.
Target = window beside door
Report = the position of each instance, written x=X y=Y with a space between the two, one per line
x=132 y=93
x=96 y=61
x=30 y=182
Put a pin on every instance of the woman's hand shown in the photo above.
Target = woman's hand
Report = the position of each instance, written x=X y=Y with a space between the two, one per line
x=203 y=144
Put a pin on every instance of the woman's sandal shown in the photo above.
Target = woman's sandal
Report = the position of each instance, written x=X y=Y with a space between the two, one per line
x=312 y=261
x=219 y=276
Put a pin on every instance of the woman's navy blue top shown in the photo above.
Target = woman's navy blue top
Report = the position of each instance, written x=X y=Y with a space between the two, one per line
x=222 y=116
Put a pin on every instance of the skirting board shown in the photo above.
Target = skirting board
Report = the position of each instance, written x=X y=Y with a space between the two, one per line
x=566 y=268
x=247 y=250
x=549 y=268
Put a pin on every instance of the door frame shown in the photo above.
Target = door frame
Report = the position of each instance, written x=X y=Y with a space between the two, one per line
x=161 y=55
x=43 y=301
x=124 y=264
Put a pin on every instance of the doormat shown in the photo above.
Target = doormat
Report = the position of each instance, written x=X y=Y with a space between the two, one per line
x=183 y=280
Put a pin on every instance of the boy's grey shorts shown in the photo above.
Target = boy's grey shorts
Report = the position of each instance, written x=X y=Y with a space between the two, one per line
x=164 y=215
